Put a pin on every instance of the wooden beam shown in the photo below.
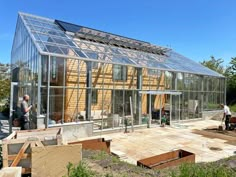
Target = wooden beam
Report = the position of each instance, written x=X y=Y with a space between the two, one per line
x=26 y=170
x=20 y=154
x=5 y=153
x=24 y=156
x=39 y=144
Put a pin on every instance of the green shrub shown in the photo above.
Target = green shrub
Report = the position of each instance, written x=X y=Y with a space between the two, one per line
x=100 y=156
x=81 y=170
x=202 y=170
x=233 y=108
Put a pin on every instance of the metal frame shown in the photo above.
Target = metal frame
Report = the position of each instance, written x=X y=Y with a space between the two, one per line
x=161 y=93
x=13 y=84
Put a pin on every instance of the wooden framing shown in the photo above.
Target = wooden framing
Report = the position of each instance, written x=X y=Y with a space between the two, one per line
x=16 y=148
x=102 y=78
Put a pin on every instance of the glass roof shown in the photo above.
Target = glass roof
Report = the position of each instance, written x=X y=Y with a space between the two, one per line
x=52 y=39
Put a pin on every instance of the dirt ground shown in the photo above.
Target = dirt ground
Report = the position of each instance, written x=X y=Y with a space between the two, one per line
x=106 y=165
x=228 y=136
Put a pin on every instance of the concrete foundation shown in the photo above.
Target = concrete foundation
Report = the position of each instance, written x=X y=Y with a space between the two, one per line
x=75 y=131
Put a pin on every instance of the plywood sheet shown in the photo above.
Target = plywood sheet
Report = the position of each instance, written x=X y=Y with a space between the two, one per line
x=51 y=161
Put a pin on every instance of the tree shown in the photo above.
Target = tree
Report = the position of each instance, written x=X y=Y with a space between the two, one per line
x=4 y=89
x=230 y=73
x=214 y=64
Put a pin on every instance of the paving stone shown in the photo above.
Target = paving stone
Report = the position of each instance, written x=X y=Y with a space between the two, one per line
x=157 y=140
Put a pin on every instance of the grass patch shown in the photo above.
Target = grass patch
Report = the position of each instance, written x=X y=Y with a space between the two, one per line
x=203 y=170
x=101 y=164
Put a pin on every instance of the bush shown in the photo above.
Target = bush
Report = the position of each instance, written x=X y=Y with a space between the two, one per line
x=81 y=170
x=233 y=108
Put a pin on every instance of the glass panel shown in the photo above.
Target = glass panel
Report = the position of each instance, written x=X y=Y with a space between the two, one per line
x=56 y=71
x=71 y=105
x=108 y=78
x=42 y=46
x=81 y=104
x=168 y=80
x=145 y=79
x=45 y=38
x=119 y=73
x=97 y=75
x=91 y=55
x=79 y=53
x=70 y=43
x=131 y=82
x=43 y=106
x=99 y=116
x=53 y=49
x=72 y=73
x=59 y=41
x=55 y=105
x=118 y=107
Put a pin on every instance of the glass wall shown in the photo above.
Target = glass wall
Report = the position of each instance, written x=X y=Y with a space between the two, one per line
x=24 y=60
x=214 y=89
x=70 y=90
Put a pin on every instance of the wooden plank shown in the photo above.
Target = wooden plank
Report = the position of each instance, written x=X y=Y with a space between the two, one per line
x=39 y=144
x=26 y=170
x=43 y=167
x=5 y=153
x=20 y=154
x=24 y=156
x=32 y=144
x=12 y=135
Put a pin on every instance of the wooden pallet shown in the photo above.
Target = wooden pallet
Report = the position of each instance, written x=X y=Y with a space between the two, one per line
x=16 y=148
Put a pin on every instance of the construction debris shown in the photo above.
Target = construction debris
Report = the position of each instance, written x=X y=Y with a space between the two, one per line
x=16 y=148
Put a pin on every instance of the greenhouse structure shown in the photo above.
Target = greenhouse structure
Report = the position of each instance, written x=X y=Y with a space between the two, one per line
x=76 y=75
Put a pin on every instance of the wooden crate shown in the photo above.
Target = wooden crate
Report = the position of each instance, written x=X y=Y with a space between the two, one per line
x=173 y=158
x=16 y=148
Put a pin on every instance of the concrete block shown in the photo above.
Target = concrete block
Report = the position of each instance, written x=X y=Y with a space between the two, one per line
x=73 y=132
x=51 y=161
x=10 y=172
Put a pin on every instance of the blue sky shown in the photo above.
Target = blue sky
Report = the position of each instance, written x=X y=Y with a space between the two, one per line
x=195 y=28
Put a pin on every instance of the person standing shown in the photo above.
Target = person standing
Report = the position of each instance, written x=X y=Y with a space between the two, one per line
x=226 y=115
x=25 y=108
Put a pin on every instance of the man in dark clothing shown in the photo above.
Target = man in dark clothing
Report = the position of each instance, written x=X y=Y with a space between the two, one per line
x=25 y=113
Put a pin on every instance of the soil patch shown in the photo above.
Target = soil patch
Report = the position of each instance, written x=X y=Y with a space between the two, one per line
x=228 y=136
